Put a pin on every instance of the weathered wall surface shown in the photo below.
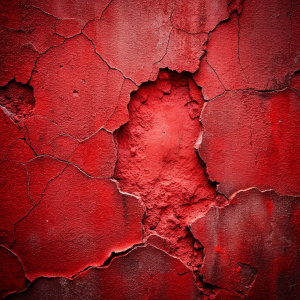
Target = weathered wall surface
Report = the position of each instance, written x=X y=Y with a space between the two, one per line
x=150 y=149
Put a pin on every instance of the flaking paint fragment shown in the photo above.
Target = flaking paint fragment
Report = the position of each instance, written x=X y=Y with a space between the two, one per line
x=250 y=246
x=248 y=139
x=85 y=227
x=82 y=113
x=143 y=273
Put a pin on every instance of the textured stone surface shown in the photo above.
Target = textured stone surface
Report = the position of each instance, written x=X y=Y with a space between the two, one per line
x=156 y=160
x=18 y=100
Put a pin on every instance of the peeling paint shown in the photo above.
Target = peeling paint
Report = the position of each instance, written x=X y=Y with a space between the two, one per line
x=110 y=186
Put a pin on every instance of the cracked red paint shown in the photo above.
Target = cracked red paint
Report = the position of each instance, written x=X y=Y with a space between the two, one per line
x=73 y=73
x=15 y=200
x=84 y=227
x=256 y=251
x=40 y=29
x=80 y=98
x=41 y=171
x=20 y=152
x=68 y=27
x=17 y=56
x=204 y=16
x=207 y=78
x=144 y=273
x=249 y=139
x=223 y=46
x=9 y=133
x=120 y=114
x=12 y=276
x=67 y=9
x=97 y=155
x=45 y=137
x=140 y=48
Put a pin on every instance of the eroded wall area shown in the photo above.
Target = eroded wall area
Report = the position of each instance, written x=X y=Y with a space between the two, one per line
x=149 y=149
x=157 y=161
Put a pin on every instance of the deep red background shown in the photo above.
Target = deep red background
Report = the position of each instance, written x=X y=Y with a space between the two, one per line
x=149 y=149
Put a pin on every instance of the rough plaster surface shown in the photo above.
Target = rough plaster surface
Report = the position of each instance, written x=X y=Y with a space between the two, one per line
x=149 y=149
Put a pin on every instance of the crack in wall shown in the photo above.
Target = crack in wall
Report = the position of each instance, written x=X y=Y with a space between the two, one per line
x=171 y=207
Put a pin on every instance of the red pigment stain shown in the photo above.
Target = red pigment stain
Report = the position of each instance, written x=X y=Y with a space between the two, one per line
x=218 y=249
x=269 y=206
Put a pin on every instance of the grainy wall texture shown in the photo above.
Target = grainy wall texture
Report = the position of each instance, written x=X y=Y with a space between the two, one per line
x=150 y=149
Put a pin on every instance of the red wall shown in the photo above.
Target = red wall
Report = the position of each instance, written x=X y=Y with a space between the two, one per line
x=150 y=149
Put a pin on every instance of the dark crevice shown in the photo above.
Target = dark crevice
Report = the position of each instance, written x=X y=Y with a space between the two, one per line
x=17 y=100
